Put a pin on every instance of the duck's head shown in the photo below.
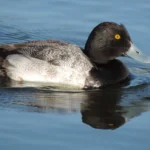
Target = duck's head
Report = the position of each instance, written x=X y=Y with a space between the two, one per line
x=109 y=40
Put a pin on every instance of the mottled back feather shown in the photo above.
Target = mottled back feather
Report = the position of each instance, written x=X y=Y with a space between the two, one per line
x=55 y=52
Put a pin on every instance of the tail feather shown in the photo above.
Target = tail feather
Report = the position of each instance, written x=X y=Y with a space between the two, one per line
x=6 y=50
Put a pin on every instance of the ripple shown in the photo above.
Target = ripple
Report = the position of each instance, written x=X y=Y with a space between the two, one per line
x=51 y=118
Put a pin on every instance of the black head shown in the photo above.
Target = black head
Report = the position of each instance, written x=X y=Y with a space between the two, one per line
x=107 y=41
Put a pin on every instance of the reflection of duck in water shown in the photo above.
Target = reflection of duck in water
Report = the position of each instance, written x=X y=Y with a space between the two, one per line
x=110 y=109
x=62 y=63
x=103 y=109
x=100 y=111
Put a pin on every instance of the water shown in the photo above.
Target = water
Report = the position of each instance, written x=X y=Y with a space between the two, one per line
x=48 y=118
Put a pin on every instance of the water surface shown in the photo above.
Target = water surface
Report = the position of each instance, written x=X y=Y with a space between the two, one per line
x=49 y=118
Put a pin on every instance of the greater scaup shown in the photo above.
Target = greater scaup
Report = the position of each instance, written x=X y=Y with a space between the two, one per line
x=58 y=62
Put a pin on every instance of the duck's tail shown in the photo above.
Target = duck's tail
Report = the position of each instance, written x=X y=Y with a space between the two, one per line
x=9 y=49
x=6 y=50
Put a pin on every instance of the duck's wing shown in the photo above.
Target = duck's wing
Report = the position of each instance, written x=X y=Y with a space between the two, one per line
x=48 y=61
x=48 y=50
x=54 y=52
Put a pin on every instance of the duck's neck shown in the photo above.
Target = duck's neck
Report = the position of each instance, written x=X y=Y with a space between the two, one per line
x=100 y=62
x=93 y=52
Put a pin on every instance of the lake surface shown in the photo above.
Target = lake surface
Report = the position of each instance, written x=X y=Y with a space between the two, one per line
x=49 y=118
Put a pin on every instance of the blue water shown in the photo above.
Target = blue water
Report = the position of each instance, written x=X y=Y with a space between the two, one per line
x=47 y=118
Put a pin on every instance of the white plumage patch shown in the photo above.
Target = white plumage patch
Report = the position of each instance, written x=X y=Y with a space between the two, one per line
x=22 y=68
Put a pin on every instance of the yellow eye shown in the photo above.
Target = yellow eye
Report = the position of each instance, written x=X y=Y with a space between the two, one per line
x=117 y=37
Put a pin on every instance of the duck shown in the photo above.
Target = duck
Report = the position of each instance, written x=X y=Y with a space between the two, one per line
x=52 y=61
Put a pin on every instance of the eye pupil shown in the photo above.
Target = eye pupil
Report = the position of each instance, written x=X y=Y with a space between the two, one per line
x=117 y=37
